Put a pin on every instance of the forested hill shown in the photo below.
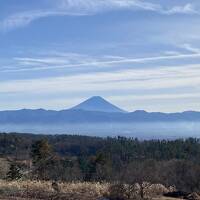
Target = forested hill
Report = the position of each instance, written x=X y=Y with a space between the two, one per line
x=19 y=145
x=79 y=158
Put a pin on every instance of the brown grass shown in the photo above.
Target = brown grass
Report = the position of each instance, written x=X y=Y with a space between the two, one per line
x=44 y=190
x=70 y=191
x=4 y=167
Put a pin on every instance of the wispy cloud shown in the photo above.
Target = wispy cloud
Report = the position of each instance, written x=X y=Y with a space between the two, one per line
x=139 y=79
x=28 y=64
x=159 y=96
x=25 y=18
x=185 y=9
x=89 y=7
x=191 y=48
x=94 y=6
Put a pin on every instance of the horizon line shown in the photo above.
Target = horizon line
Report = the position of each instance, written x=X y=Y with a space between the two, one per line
x=89 y=98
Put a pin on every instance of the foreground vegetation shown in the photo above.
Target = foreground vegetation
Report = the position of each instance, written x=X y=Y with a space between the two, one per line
x=44 y=190
x=72 y=191
x=51 y=163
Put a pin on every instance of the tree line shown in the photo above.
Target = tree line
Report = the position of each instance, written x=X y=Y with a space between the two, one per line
x=80 y=158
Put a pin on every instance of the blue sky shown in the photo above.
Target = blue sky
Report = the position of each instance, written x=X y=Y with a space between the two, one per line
x=139 y=54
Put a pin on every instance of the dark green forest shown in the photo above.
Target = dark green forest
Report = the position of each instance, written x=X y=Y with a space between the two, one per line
x=81 y=158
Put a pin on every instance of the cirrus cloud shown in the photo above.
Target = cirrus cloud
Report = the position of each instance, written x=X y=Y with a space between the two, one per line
x=89 y=7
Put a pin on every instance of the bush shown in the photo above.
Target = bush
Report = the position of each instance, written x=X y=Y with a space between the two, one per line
x=122 y=192
x=15 y=172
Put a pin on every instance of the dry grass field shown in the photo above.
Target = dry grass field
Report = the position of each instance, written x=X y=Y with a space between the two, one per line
x=44 y=190
x=19 y=190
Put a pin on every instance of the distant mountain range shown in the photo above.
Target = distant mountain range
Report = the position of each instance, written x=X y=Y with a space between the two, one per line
x=95 y=109
x=94 y=113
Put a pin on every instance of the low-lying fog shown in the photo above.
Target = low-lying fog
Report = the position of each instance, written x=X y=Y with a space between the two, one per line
x=155 y=130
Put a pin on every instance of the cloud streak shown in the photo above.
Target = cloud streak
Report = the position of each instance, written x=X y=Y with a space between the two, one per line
x=28 y=64
x=25 y=18
x=186 y=9
x=89 y=7
x=138 y=79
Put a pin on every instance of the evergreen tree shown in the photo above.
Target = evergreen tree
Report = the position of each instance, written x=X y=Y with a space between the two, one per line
x=15 y=172
x=41 y=151
x=41 y=154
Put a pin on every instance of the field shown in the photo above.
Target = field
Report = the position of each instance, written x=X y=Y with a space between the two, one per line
x=44 y=190
x=70 y=191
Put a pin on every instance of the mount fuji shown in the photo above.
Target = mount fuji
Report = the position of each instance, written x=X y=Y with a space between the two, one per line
x=98 y=117
x=97 y=103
